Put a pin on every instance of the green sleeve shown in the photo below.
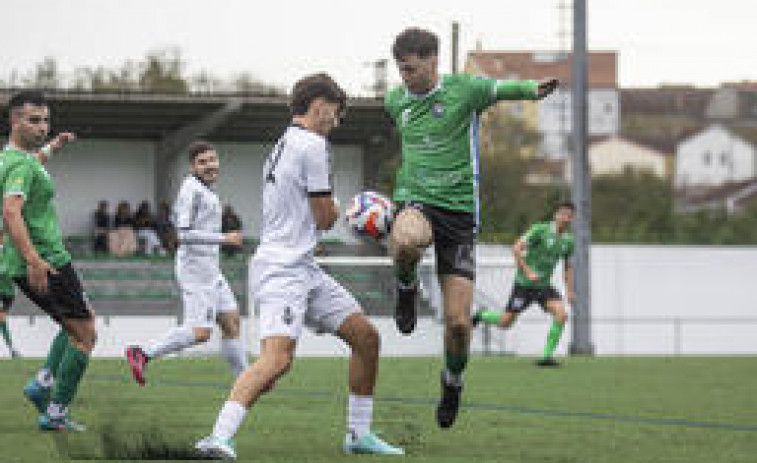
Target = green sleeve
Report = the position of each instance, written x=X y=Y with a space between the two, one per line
x=517 y=90
x=532 y=235
x=19 y=180
x=484 y=92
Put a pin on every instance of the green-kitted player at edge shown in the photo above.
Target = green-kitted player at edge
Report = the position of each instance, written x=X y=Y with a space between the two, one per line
x=437 y=190
x=537 y=253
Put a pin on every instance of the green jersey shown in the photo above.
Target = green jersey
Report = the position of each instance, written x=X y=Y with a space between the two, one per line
x=439 y=132
x=544 y=249
x=22 y=174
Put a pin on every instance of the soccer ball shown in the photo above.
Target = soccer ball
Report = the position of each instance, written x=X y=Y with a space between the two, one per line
x=370 y=214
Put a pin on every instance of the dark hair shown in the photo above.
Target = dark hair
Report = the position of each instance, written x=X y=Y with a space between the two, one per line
x=568 y=204
x=33 y=97
x=319 y=85
x=197 y=148
x=415 y=41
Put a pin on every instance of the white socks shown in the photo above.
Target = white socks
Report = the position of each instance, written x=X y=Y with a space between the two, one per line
x=233 y=351
x=453 y=379
x=359 y=414
x=177 y=339
x=229 y=420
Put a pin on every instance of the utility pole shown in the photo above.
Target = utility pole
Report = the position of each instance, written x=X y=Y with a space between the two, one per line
x=455 y=45
x=581 y=341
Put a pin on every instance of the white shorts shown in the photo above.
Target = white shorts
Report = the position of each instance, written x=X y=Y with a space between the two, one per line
x=202 y=303
x=289 y=297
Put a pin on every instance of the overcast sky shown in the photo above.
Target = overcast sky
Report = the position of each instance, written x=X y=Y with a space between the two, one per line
x=702 y=42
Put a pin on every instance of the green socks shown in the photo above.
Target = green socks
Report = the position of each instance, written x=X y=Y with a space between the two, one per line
x=455 y=363
x=490 y=317
x=6 y=334
x=56 y=352
x=553 y=338
x=406 y=277
x=69 y=374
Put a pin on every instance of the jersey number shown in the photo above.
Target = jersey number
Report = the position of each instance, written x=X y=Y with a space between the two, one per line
x=274 y=161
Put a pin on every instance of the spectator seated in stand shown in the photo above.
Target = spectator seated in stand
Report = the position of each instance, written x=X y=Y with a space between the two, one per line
x=101 y=222
x=122 y=241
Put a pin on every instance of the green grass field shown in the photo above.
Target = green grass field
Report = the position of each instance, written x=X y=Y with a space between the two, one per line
x=593 y=410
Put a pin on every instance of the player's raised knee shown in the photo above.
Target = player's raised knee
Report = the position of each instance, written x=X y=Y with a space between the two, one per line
x=411 y=229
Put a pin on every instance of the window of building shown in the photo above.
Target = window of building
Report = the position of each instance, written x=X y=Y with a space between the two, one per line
x=707 y=158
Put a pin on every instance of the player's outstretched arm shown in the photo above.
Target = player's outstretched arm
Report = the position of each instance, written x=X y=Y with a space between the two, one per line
x=56 y=144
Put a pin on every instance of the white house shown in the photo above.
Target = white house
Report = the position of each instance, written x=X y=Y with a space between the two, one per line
x=714 y=156
x=555 y=118
x=614 y=154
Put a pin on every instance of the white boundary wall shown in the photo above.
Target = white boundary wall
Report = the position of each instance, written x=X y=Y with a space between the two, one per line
x=646 y=300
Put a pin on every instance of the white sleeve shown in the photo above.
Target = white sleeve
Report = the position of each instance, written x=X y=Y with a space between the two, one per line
x=185 y=214
x=318 y=169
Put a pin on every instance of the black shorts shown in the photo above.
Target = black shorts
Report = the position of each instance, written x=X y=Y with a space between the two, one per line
x=523 y=296
x=6 y=302
x=65 y=296
x=454 y=239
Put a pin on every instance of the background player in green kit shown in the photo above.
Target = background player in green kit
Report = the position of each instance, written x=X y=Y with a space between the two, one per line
x=39 y=264
x=437 y=189
x=7 y=290
x=537 y=253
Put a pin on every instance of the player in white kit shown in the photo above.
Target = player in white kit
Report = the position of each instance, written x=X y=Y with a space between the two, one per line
x=206 y=296
x=289 y=288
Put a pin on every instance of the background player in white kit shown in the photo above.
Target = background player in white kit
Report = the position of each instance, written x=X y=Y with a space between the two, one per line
x=205 y=294
x=289 y=288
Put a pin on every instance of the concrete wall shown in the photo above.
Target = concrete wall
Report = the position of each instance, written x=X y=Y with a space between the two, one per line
x=646 y=300
x=91 y=170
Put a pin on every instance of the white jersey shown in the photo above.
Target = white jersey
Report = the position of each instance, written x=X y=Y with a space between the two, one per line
x=299 y=167
x=197 y=217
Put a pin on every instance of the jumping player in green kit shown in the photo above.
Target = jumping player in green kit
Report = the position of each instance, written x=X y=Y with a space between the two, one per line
x=437 y=190
x=537 y=253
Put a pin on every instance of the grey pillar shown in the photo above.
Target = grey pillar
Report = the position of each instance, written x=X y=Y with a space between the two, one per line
x=581 y=341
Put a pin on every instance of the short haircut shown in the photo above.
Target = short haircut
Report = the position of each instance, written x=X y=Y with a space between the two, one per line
x=415 y=41
x=33 y=97
x=197 y=148
x=568 y=204
x=319 y=85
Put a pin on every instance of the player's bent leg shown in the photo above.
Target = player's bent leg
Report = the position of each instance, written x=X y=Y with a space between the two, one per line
x=557 y=309
x=364 y=341
x=232 y=347
x=177 y=339
x=411 y=235
x=276 y=355
x=458 y=296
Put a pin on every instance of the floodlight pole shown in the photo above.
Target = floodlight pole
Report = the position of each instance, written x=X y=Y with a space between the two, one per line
x=581 y=340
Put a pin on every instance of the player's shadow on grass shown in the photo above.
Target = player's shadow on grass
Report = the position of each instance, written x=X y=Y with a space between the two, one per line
x=117 y=438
